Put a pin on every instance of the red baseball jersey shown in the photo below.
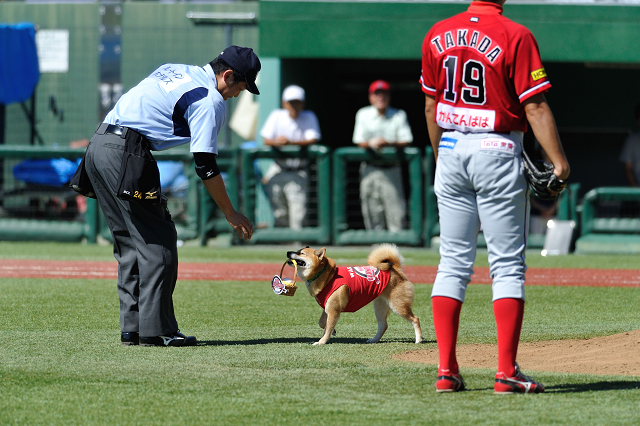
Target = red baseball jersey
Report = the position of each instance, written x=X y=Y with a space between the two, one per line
x=365 y=284
x=480 y=67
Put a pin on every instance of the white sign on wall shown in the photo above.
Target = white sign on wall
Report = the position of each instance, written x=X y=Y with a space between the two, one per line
x=53 y=50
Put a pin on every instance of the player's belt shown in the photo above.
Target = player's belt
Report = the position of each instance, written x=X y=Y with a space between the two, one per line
x=115 y=129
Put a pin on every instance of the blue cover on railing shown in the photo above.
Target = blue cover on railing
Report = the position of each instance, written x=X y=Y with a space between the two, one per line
x=46 y=171
x=19 y=72
x=172 y=178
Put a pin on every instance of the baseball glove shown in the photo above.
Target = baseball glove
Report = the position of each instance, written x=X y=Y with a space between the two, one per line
x=543 y=182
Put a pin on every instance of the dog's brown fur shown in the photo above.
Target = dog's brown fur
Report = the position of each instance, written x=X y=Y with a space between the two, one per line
x=398 y=295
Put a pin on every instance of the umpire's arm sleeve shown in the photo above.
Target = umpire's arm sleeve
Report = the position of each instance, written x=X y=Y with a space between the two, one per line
x=206 y=165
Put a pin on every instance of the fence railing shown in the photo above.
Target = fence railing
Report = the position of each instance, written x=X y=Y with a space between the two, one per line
x=334 y=183
x=25 y=228
x=90 y=224
x=409 y=158
x=591 y=223
x=211 y=221
x=316 y=154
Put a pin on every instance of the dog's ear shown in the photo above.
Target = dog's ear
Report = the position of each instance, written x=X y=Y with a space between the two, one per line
x=320 y=253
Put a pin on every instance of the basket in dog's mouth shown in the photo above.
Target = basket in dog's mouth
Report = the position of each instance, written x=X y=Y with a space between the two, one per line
x=285 y=286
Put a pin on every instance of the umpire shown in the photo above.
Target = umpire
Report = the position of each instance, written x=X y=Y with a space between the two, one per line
x=175 y=105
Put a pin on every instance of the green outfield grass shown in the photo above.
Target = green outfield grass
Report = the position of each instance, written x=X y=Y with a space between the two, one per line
x=61 y=362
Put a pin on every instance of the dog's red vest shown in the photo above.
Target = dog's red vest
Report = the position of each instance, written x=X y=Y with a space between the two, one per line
x=365 y=284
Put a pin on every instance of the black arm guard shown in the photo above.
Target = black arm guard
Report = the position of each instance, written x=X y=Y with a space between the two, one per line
x=206 y=166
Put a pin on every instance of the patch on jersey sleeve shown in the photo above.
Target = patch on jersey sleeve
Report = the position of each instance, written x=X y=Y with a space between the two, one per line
x=474 y=19
x=538 y=74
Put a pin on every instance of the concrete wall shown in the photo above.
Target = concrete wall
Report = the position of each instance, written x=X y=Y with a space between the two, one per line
x=395 y=30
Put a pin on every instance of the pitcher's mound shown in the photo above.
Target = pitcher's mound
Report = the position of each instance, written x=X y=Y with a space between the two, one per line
x=617 y=355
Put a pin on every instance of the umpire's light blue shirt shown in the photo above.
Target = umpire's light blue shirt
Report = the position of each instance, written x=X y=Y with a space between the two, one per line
x=176 y=104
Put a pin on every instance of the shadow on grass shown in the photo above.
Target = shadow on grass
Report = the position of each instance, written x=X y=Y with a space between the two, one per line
x=310 y=340
x=478 y=389
x=578 y=387
x=590 y=387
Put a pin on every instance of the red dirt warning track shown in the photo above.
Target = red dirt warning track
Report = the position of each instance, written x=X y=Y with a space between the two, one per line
x=265 y=272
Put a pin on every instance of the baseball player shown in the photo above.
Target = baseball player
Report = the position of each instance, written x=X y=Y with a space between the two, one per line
x=483 y=80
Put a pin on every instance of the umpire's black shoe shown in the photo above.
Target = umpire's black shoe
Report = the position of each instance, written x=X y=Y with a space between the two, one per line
x=129 y=339
x=173 y=339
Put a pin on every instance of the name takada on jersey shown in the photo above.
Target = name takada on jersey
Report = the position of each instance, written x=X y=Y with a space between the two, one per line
x=460 y=38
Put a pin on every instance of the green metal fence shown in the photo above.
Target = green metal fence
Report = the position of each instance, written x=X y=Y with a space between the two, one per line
x=90 y=224
x=431 y=222
x=408 y=157
x=212 y=222
x=610 y=231
x=197 y=217
x=28 y=228
x=317 y=154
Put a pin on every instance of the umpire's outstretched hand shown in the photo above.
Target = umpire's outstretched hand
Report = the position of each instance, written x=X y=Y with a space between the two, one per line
x=215 y=187
x=241 y=224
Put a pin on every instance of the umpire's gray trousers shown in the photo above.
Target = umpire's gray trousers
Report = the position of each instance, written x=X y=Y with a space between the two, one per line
x=144 y=244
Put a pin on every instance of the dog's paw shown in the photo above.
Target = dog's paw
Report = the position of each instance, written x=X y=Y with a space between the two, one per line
x=318 y=343
x=372 y=341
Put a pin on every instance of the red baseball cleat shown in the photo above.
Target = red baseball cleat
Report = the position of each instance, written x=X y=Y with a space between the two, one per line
x=518 y=384
x=449 y=382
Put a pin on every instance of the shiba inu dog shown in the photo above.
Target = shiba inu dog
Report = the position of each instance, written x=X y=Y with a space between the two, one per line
x=347 y=289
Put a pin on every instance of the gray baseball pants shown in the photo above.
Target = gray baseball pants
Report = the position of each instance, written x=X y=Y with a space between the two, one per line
x=287 y=192
x=382 y=197
x=144 y=244
x=479 y=182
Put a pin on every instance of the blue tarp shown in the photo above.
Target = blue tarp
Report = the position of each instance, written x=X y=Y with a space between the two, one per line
x=59 y=171
x=19 y=72
x=50 y=172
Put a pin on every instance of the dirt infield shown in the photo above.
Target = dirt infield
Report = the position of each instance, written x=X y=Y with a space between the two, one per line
x=610 y=355
x=264 y=272
x=617 y=355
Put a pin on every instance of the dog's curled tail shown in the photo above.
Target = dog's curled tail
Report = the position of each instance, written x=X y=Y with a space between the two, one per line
x=386 y=256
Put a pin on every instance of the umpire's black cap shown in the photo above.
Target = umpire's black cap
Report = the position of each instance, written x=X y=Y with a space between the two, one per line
x=244 y=61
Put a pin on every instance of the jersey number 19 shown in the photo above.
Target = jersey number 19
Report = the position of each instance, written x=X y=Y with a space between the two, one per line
x=474 y=90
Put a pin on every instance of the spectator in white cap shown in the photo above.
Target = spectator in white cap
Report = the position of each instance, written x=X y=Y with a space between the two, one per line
x=286 y=181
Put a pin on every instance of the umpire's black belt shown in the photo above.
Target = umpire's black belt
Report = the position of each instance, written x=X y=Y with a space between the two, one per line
x=114 y=129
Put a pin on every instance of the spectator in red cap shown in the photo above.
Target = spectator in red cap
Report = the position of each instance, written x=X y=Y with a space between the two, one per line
x=381 y=190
